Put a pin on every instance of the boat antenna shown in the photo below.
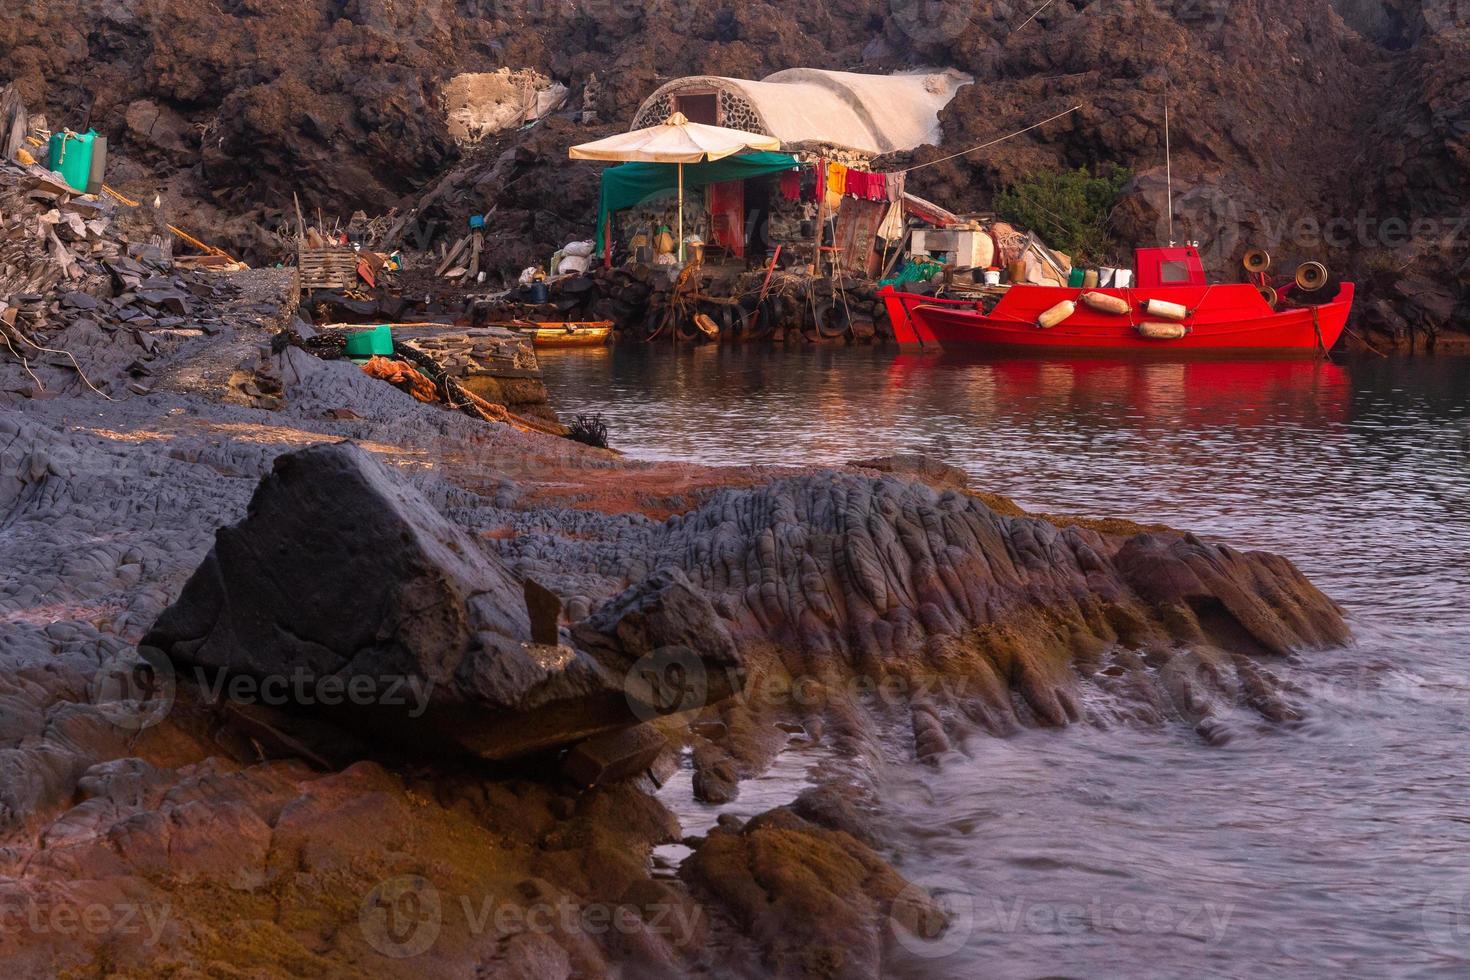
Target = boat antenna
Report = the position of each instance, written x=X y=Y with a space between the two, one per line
x=1168 y=163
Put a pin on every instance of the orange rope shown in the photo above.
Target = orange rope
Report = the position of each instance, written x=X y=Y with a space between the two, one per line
x=407 y=378
x=179 y=232
x=403 y=377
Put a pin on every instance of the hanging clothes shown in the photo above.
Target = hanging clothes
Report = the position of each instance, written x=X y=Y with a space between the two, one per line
x=836 y=179
x=836 y=185
x=808 y=184
x=867 y=186
x=791 y=185
x=893 y=225
x=895 y=185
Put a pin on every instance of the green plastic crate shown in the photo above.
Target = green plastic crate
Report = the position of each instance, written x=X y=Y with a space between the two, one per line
x=372 y=342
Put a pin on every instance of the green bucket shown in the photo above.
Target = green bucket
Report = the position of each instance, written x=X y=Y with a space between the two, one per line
x=1076 y=277
x=371 y=342
x=71 y=156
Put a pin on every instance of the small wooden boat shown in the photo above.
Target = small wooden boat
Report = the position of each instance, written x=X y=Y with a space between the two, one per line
x=1191 y=317
x=572 y=333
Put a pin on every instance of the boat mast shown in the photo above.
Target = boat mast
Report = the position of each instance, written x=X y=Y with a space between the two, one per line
x=1168 y=164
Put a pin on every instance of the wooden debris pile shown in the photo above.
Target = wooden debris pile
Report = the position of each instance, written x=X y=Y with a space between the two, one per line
x=461 y=261
x=349 y=258
x=50 y=241
x=71 y=278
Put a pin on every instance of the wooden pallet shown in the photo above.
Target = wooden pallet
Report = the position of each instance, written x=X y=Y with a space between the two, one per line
x=327 y=268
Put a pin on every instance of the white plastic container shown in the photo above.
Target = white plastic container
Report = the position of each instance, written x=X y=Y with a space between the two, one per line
x=1122 y=278
x=992 y=277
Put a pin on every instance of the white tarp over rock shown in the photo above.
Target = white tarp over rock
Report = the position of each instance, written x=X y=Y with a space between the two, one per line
x=481 y=104
x=872 y=114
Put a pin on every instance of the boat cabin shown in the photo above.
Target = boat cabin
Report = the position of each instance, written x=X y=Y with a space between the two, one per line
x=1175 y=265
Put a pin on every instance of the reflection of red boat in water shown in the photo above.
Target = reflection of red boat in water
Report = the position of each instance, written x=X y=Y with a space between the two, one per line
x=1123 y=392
x=1170 y=311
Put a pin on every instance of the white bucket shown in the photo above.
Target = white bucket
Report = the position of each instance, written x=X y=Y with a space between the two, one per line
x=1122 y=278
x=1105 y=277
x=992 y=277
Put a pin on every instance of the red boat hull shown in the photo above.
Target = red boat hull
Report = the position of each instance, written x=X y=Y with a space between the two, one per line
x=1226 y=318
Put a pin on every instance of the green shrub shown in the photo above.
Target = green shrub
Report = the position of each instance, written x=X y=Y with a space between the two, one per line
x=1069 y=209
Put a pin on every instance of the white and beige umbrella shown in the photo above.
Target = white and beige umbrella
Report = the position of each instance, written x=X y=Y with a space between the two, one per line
x=677 y=141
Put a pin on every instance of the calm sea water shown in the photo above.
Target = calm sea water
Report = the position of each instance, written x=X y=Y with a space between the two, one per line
x=1339 y=846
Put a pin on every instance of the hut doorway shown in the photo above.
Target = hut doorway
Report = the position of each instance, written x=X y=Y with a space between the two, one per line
x=703 y=107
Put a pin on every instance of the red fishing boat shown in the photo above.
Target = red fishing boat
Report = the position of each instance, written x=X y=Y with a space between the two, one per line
x=1171 y=309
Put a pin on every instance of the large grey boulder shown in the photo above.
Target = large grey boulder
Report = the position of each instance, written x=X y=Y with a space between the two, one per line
x=345 y=593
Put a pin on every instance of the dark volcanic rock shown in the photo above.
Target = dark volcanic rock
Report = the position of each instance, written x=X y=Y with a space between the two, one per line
x=780 y=869
x=345 y=591
x=615 y=756
x=671 y=629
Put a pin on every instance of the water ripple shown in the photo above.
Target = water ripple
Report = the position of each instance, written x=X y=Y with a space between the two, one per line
x=1340 y=845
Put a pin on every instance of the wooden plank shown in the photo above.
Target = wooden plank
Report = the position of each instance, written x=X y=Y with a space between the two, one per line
x=475 y=254
x=857 y=229
x=903 y=248
x=300 y=221
x=453 y=256
x=929 y=211
x=396 y=231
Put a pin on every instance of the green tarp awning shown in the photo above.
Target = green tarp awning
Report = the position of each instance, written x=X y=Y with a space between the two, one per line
x=628 y=184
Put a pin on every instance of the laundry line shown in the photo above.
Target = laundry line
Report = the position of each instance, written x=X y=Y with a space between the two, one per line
x=993 y=142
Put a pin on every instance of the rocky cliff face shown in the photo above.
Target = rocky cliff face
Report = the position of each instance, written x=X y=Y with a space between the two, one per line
x=1315 y=129
x=1336 y=131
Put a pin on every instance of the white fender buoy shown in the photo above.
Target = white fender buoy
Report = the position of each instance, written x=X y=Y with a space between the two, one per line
x=1056 y=314
x=1104 y=303
x=1162 y=331
x=1166 y=310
